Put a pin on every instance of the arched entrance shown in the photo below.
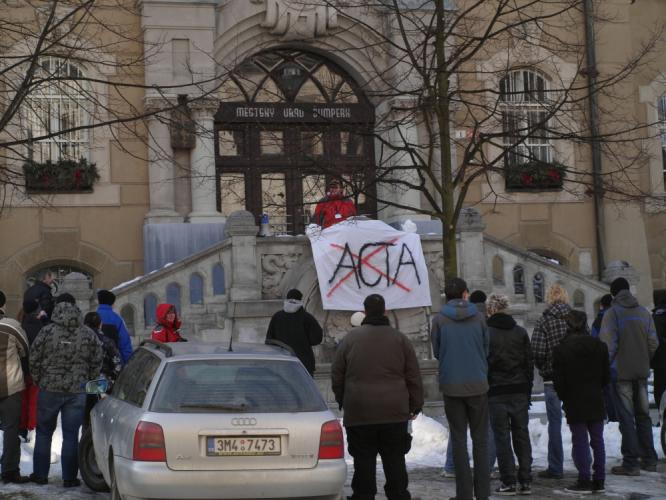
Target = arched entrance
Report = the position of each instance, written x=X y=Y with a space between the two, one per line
x=289 y=122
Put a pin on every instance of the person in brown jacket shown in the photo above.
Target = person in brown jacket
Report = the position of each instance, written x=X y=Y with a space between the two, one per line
x=377 y=383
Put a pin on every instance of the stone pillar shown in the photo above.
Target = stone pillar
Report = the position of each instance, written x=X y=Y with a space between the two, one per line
x=242 y=230
x=202 y=181
x=471 y=257
x=160 y=174
x=621 y=269
x=78 y=285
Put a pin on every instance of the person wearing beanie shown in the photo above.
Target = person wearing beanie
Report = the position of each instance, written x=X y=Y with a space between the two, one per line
x=659 y=359
x=510 y=375
x=13 y=347
x=113 y=321
x=628 y=331
x=357 y=318
x=580 y=372
x=297 y=328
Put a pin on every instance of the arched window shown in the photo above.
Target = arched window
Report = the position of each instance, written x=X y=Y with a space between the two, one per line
x=58 y=273
x=498 y=271
x=127 y=313
x=524 y=97
x=538 y=288
x=196 y=289
x=149 y=310
x=518 y=280
x=173 y=295
x=287 y=117
x=57 y=106
x=579 y=299
x=218 y=280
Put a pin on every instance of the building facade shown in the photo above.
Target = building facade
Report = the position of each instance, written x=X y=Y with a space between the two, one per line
x=281 y=98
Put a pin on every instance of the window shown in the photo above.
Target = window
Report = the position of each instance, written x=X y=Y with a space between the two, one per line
x=149 y=310
x=127 y=313
x=498 y=271
x=55 y=107
x=579 y=299
x=662 y=134
x=218 y=280
x=523 y=96
x=538 y=288
x=518 y=280
x=173 y=295
x=196 y=289
x=135 y=379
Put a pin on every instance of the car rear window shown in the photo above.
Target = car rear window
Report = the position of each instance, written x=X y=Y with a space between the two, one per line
x=236 y=386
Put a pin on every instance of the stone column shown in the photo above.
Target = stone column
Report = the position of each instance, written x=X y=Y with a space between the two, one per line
x=160 y=173
x=241 y=228
x=202 y=181
x=471 y=257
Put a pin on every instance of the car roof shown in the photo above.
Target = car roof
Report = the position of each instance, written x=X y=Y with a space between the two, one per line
x=198 y=349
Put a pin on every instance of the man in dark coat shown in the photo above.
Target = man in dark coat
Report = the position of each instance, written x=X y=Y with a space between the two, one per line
x=580 y=372
x=510 y=374
x=659 y=359
x=297 y=328
x=41 y=293
x=377 y=382
x=628 y=331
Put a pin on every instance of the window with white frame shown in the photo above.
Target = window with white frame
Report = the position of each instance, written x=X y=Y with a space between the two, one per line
x=662 y=134
x=59 y=104
x=523 y=99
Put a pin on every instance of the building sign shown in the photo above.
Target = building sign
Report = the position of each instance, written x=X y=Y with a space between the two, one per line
x=294 y=113
x=356 y=258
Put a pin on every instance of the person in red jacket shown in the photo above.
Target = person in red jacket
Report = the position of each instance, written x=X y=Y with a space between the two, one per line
x=333 y=207
x=167 y=325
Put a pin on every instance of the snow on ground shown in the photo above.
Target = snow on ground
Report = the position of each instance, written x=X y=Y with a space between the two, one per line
x=429 y=441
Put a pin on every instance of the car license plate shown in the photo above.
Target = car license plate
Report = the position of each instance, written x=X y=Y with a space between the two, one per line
x=224 y=446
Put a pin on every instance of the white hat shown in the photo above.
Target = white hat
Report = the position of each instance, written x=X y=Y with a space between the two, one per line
x=357 y=318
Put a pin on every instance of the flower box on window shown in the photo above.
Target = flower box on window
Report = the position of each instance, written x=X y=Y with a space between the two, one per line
x=62 y=176
x=535 y=176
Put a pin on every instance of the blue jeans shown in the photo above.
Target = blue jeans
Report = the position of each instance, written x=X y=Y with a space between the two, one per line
x=635 y=424
x=492 y=452
x=554 y=415
x=71 y=407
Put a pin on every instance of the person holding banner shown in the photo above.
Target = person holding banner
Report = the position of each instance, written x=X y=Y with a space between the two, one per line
x=333 y=207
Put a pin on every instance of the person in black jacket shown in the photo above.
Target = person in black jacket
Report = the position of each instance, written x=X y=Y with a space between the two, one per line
x=581 y=369
x=510 y=375
x=42 y=293
x=296 y=328
x=659 y=358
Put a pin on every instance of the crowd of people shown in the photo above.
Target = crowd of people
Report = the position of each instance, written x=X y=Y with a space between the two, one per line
x=47 y=355
x=486 y=374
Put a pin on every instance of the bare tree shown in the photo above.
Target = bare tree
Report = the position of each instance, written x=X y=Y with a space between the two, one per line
x=496 y=89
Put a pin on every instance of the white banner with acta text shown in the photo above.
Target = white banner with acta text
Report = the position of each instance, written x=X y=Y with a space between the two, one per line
x=356 y=258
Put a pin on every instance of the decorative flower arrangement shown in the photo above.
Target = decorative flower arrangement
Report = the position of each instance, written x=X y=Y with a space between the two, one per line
x=60 y=176
x=535 y=175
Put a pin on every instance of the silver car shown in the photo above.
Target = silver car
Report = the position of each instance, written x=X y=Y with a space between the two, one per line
x=195 y=420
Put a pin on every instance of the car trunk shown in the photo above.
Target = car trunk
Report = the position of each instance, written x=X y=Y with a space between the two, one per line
x=188 y=447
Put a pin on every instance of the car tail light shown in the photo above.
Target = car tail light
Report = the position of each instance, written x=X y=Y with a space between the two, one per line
x=149 y=443
x=331 y=443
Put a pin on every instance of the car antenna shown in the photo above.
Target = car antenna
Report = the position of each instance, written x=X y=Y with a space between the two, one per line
x=231 y=338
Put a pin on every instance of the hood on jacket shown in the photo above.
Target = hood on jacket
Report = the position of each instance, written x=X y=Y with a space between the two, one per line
x=67 y=315
x=161 y=313
x=459 y=310
x=581 y=343
x=502 y=321
x=625 y=299
x=292 y=305
x=558 y=310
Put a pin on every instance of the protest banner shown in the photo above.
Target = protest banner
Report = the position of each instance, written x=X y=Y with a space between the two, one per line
x=356 y=258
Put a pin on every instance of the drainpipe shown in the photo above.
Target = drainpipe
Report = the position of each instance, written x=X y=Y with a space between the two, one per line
x=597 y=192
